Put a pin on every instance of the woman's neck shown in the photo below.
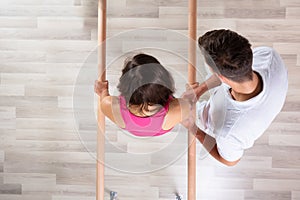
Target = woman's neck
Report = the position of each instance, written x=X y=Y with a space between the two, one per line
x=139 y=110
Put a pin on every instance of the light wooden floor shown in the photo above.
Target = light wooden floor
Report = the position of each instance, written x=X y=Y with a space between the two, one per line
x=43 y=45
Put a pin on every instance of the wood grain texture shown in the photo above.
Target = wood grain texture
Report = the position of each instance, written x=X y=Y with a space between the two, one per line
x=45 y=154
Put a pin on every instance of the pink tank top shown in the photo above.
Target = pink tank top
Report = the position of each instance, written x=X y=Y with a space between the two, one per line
x=143 y=126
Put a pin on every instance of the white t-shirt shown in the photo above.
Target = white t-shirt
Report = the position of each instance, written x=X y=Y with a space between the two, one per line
x=236 y=125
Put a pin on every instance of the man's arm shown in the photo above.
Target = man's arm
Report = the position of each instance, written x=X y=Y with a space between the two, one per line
x=210 y=145
x=195 y=90
x=206 y=140
x=212 y=82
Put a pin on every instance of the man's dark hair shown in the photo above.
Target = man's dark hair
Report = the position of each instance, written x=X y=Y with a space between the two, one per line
x=145 y=81
x=228 y=54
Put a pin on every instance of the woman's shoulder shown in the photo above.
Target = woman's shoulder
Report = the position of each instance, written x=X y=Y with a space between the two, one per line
x=179 y=105
x=110 y=106
x=107 y=99
x=110 y=99
x=178 y=110
x=108 y=102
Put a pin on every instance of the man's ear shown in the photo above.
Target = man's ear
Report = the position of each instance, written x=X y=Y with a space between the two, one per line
x=222 y=78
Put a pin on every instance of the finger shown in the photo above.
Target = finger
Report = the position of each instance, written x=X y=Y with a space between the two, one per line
x=102 y=84
x=96 y=89
x=96 y=85
x=195 y=85
x=106 y=84
x=189 y=94
x=192 y=86
x=187 y=86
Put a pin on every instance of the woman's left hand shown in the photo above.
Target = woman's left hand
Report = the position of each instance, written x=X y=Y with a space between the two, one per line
x=101 y=88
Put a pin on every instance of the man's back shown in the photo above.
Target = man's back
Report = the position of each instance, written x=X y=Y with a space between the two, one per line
x=236 y=125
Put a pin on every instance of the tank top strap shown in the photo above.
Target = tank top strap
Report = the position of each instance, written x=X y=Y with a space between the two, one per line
x=168 y=103
x=123 y=103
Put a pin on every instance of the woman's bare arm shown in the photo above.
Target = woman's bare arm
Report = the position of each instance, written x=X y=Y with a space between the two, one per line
x=110 y=105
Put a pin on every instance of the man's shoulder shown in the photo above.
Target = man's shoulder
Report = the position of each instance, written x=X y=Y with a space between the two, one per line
x=269 y=64
x=263 y=51
x=262 y=56
x=263 y=48
x=265 y=57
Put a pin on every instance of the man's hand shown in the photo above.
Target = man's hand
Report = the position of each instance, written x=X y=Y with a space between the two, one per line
x=194 y=91
x=189 y=122
x=101 y=88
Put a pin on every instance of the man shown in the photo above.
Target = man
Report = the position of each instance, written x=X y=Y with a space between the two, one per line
x=250 y=87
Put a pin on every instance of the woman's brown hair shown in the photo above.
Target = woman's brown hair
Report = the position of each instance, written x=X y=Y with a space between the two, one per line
x=145 y=81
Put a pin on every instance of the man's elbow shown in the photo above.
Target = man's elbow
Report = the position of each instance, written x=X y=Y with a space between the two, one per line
x=229 y=163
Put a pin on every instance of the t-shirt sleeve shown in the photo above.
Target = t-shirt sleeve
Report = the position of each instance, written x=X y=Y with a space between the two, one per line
x=201 y=114
x=229 y=149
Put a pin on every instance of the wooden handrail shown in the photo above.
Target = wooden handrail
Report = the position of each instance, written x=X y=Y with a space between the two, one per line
x=100 y=115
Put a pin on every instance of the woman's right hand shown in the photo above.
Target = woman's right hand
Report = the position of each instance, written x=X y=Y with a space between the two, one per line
x=101 y=88
x=194 y=91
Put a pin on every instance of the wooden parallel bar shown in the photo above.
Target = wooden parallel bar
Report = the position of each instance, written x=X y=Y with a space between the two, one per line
x=101 y=118
x=192 y=79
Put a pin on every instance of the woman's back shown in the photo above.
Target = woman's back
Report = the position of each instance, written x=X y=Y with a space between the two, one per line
x=144 y=84
x=144 y=125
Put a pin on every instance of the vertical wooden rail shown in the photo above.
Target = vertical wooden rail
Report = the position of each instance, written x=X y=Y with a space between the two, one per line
x=101 y=118
x=192 y=79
